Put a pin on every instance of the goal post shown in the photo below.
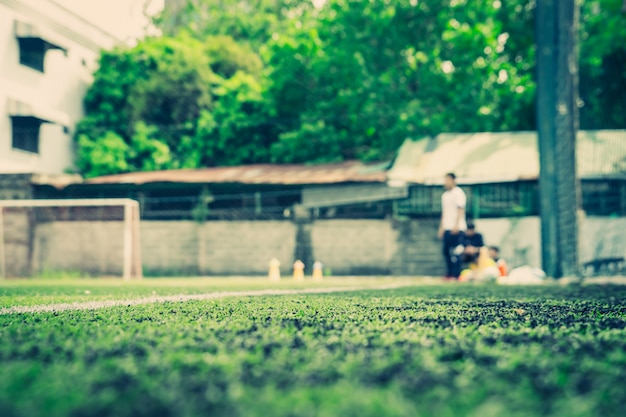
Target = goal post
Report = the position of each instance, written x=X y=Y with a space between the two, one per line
x=93 y=237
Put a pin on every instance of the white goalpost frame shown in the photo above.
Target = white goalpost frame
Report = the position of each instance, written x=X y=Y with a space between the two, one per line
x=130 y=239
x=3 y=267
x=128 y=236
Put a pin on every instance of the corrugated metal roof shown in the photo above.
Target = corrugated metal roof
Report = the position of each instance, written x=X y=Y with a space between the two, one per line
x=338 y=195
x=497 y=157
x=351 y=171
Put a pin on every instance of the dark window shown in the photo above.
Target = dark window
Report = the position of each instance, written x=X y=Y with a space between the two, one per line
x=602 y=197
x=26 y=133
x=32 y=52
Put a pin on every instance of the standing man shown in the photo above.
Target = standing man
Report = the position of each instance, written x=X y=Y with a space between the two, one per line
x=452 y=227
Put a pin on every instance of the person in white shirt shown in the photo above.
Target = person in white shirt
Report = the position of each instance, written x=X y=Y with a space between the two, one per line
x=453 y=225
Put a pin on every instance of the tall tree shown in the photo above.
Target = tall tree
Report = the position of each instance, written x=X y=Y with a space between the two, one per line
x=173 y=103
x=251 y=21
x=280 y=80
x=603 y=65
x=363 y=76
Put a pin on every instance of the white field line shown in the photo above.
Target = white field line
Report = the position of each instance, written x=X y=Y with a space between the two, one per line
x=94 y=305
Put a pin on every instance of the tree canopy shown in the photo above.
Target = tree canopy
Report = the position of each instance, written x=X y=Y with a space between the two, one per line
x=250 y=81
x=174 y=102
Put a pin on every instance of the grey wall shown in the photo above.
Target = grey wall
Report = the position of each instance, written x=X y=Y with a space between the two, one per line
x=16 y=243
x=80 y=246
x=346 y=247
x=15 y=186
x=602 y=237
x=355 y=247
x=519 y=239
x=215 y=248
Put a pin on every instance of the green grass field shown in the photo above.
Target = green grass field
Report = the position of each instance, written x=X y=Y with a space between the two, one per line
x=419 y=350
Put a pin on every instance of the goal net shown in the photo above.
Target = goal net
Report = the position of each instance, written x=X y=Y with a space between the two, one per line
x=91 y=237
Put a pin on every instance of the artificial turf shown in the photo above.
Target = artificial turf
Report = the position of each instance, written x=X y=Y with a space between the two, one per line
x=449 y=350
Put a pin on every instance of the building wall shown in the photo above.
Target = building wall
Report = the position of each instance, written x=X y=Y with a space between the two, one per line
x=345 y=247
x=59 y=90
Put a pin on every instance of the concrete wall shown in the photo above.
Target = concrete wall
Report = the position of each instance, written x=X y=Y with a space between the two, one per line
x=354 y=247
x=346 y=247
x=246 y=247
x=15 y=186
x=519 y=239
x=602 y=237
x=215 y=248
x=95 y=248
x=16 y=243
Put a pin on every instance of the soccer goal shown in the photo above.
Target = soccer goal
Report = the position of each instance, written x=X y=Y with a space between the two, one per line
x=85 y=237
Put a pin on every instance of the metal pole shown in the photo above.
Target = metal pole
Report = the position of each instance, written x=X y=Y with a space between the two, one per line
x=546 y=71
x=556 y=31
x=568 y=187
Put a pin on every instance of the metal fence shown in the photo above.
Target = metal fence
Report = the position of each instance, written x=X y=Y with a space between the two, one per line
x=600 y=197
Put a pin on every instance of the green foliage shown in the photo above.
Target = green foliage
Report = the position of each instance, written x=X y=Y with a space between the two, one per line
x=227 y=57
x=239 y=130
x=201 y=210
x=106 y=155
x=149 y=153
x=364 y=76
x=351 y=79
x=428 y=351
x=249 y=21
x=173 y=103
x=602 y=65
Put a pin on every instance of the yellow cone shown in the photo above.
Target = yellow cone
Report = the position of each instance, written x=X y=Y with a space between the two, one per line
x=318 y=273
x=298 y=270
x=274 y=271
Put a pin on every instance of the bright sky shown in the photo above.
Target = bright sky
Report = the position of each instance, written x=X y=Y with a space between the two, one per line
x=123 y=18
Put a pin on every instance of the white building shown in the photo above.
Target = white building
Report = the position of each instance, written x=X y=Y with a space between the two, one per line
x=47 y=56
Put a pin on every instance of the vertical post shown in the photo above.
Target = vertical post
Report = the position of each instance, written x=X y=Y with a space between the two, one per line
x=138 y=268
x=141 y=197
x=545 y=38
x=568 y=184
x=258 y=207
x=622 y=193
x=3 y=259
x=476 y=201
x=557 y=124
x=128 y=240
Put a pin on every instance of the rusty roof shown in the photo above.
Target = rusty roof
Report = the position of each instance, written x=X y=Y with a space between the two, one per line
x=293 y=174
